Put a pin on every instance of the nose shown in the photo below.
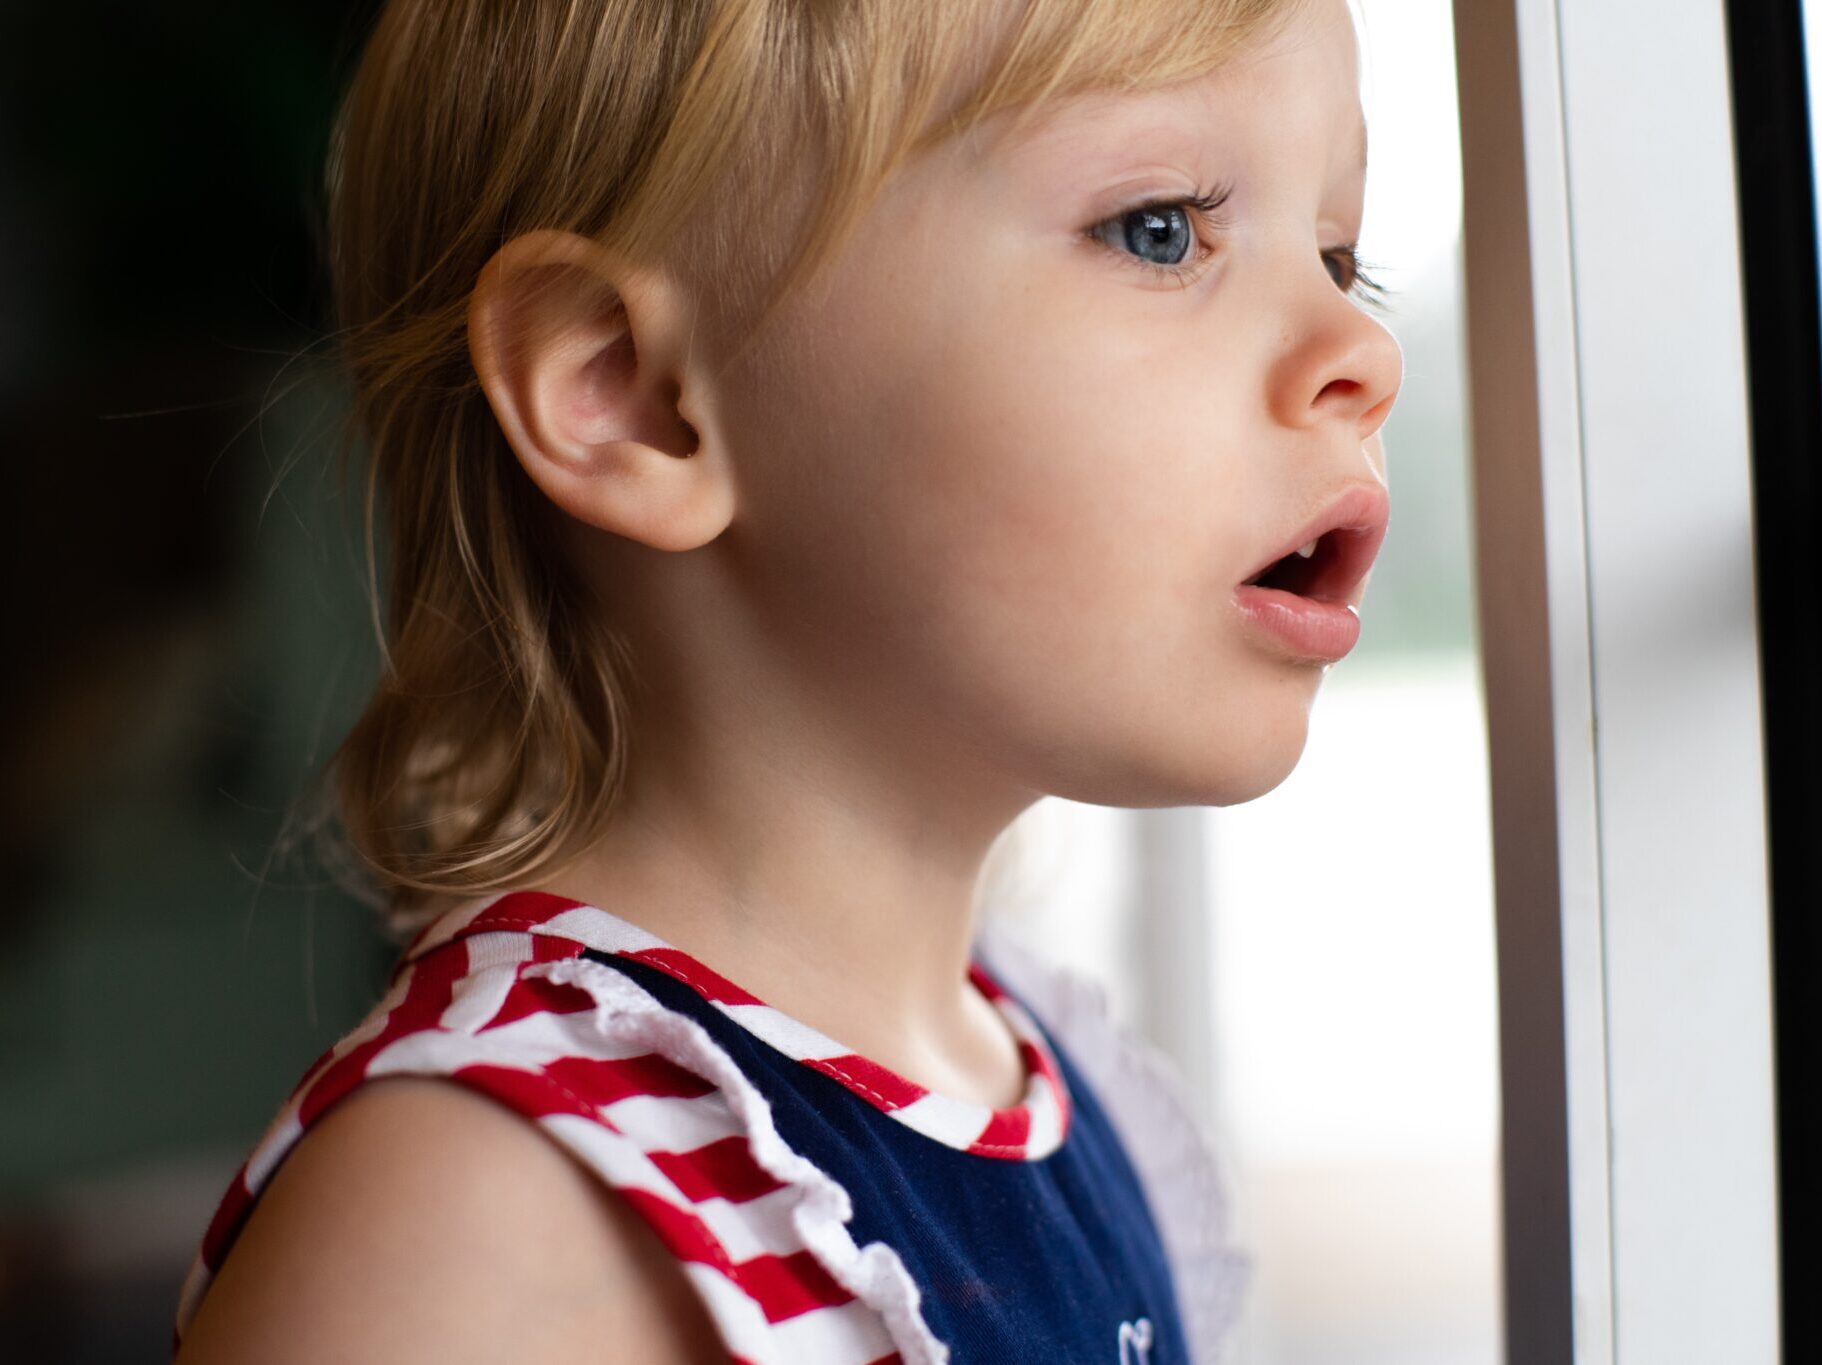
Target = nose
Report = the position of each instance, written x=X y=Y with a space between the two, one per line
x=1337 y=366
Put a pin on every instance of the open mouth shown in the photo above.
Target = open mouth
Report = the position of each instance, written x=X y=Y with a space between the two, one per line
x=1325 y=574
x=1304 y=598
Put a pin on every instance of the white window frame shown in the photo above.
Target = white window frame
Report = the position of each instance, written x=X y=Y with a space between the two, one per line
x=1619 y=640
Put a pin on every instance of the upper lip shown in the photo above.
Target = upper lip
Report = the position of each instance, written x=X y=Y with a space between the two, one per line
x=1356 y=519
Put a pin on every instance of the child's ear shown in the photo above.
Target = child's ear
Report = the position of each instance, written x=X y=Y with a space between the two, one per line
x=585 y=361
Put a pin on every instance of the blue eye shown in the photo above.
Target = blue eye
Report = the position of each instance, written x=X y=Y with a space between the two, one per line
x=1161 y=236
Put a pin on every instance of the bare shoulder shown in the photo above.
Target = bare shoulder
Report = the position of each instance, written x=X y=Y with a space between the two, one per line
x=419 y=1221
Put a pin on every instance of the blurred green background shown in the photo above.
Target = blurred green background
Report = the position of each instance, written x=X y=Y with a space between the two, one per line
x=192 y=647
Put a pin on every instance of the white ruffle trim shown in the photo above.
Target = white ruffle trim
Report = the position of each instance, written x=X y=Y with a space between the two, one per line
x=1142 y=1093
x=874 y=1274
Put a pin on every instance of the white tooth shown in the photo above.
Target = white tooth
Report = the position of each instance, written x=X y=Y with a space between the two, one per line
x=1307 y=550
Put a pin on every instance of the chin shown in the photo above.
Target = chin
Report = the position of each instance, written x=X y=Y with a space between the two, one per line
x=1256 y=779
x=1249 y=754
x=1236 y=767
x=1223 y=749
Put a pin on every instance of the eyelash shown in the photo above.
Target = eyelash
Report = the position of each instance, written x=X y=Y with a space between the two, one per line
x=1206 y=206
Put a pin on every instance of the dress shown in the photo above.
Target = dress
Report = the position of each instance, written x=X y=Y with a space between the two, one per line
x=826 y=1210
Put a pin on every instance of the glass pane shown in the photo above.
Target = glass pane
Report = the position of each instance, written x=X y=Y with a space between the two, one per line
x=1357 y=1054
x=1354 y=1087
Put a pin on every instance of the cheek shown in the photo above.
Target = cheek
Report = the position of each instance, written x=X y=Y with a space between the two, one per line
x=1026 y=517
x=1051 y=458
x=999 y=451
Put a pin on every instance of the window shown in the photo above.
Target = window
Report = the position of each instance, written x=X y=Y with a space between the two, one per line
x=1320 y=962
x=1639 y=220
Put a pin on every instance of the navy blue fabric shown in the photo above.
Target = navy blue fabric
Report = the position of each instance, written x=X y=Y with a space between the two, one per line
x=1017 y=1260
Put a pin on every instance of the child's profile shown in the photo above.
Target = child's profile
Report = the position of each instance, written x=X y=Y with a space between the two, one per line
x=804 y=435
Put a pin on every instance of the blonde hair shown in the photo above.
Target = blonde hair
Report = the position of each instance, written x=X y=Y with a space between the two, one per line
x=496 y=741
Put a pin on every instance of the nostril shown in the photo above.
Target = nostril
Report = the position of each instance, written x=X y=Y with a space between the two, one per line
x=1342 y=389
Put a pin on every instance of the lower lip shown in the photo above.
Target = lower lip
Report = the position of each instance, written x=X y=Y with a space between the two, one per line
x=1308 y=629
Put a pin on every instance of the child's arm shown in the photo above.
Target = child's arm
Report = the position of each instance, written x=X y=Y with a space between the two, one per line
x=421 y=1222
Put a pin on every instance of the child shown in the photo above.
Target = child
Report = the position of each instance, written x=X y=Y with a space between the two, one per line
x=810 y=433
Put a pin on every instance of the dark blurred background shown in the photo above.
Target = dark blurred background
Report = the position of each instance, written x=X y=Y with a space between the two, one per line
x=192 y=638
x=187 y=585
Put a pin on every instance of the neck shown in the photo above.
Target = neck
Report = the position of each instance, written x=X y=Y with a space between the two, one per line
x=830 y=870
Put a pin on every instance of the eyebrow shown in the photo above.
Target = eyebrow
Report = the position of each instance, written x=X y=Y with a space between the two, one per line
x=1048 y=138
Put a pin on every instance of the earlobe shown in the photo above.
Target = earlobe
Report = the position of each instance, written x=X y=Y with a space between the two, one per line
x=584 y=361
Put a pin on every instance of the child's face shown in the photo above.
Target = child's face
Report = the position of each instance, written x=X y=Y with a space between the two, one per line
x=1000 y=479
